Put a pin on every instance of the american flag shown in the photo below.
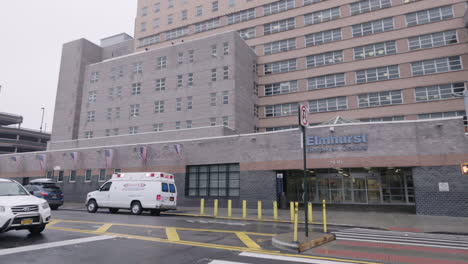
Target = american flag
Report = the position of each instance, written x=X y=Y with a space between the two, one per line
x=74 y=156
x=178 y=150
x=143 y=154
x=17 y=160
x=42 y=161
x=108 y=155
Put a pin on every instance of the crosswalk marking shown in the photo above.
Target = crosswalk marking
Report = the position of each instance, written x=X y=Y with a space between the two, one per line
x=287 y=258
x=403 y=238
x=172 y=234
x=247 y=240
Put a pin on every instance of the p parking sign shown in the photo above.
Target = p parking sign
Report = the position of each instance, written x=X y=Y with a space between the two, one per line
x=303 y=115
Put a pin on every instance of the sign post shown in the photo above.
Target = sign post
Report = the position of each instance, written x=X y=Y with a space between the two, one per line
x=303 y=123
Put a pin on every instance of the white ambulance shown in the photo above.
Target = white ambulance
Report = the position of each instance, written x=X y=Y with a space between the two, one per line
x=137 y=191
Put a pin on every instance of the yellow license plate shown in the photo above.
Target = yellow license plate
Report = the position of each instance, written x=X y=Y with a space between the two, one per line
x=26 y=221
x=53 y=197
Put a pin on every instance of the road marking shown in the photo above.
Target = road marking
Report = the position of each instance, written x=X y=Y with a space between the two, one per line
x=287 y=258
x=172 y=234
x=247 y=240
x=103 y=228
x=53 y=244
x=225 y=262
x=53 y=222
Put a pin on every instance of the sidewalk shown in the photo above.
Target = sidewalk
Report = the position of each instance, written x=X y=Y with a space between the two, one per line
x=382 y=220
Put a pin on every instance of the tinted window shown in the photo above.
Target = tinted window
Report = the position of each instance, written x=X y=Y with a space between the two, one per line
x=172 y=188
x=11 y=189
x=165 y=188
x=106 y=187
x=50 y=187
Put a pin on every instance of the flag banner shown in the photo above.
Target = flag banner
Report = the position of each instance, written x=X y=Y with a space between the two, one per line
x=75 y=157
x=42 y=158
x=18 y=161
x=143 y=151
x=178 y=150
x=108 y=156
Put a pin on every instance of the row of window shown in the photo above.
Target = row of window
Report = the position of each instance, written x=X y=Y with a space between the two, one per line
x=133 y=130
x=60 y=177
x=159 y=106
x=422 y=94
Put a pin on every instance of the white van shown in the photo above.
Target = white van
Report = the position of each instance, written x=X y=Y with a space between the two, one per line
x=138 y=191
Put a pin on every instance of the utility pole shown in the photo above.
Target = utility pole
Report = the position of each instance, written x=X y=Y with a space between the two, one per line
x=42 y=119
x=303 y=123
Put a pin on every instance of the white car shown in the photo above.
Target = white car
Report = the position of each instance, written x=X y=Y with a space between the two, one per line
x=20 y=210
x=137 y=191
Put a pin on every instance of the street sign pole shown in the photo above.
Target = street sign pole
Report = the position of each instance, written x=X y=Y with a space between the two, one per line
x=303 y=122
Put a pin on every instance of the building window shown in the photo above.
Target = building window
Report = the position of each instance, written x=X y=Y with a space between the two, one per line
x=225 y=97
x=441 y=115
x=438 y=92
x=199 y=11
x=94 y=77
x=180 y=81
x=379 y=99
x=247 y=33
x=160 y=84
x=158 y=127
x=188 y=123
x=189 y=103
x=241 y=16
x=136 y=88
x=322 y=16
x=433 y=40
x=92 y=97
x=378 y=74
x=221 y=180
x=213 y=121
x=225 y=121
x=133 y=130
x=280 y=46
x=134 y=110
x=170 y=3
x=177 y=125
x=157 y=7
x=91 y=116
x=309 y=2
x=429 y=16
x=88 y=134
x=214 y=6
x=170 y=19
x=232 y=3
x=383 y=119
x=159 y=106
x=280 y=66
x=225 y=72
x=372 y=27
x=102 y=175
x=326 y=81
x=60 y=176
x=191 y=56
x=328 y=104
x=324 y=59
x=176 y=33
x=214 y=51
x=115 y=131
x=213 y=75
x=278 y=7
x=323 y=37
x=151 y=39
x=142 y=26
x=109 y=114
x=88 y=175
x=190 y=79
x=161 y=63
x=375 y=50
x=156 y=24
x=279 y=26
x=436 y=66
x=281 y=110
x=178 y=104
x=108 y=132
x=213 y=99
x=73 y=176
x=207 y=25
x=180 y=58
x=117 y=112
x=184 y=15
x=226 y=48
x=144 y=11
x=110 y=93
x=368 y=6
x=280 y=88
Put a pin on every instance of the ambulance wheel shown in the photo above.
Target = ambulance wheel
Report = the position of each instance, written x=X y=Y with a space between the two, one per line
x=92 y=206
x=136 y=208
x=155 y=212
x=113 y=210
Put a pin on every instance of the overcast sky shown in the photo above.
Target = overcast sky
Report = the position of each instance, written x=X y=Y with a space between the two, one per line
x=32 y=33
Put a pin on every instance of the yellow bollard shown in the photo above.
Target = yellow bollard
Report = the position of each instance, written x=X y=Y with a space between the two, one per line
x=229 y=208
x=202 y=206
x=324 y=216
x=296 y=209
x=216 y=208
x=259 y=207
x=244 y=209
x=310 y=213
x=275 y=210
x=291 y=210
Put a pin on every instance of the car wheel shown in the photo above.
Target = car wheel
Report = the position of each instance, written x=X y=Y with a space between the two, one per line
x=37 y=229
x=54 y=207
x=136 y=208
x=92 y=206
x=155 y=212
x=113 y=210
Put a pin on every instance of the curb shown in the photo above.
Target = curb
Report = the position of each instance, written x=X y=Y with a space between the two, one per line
x=301 y=246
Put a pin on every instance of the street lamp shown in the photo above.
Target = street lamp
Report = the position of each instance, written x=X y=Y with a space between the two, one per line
x=42 y=119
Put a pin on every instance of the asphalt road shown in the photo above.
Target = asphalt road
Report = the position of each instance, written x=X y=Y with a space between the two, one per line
x=80 y=237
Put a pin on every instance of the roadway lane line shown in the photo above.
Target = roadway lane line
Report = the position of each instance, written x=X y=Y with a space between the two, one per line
x=288 y=258
x=53 y=244
x=103 y=228
x=225 y=262
x=172 y=234
x=247 y=240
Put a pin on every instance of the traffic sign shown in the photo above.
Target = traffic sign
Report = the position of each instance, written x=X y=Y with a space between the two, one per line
x=303 y=115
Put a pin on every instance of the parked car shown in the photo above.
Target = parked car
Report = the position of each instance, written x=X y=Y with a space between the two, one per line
x=47 y=189
x=139 y=191
x=20 y=210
